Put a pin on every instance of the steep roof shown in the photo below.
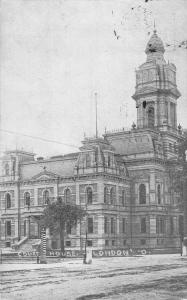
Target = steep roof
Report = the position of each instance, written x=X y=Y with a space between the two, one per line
x=62 y=167
x=133 y=144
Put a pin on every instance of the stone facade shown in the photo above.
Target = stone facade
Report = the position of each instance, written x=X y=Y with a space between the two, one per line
x=124 y=180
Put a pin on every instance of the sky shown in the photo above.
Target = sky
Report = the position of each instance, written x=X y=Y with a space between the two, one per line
x=56 y=54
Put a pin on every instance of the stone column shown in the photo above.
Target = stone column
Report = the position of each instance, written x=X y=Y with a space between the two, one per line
x=77 y=193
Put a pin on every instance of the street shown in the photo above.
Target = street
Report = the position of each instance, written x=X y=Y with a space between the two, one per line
x=144 y=277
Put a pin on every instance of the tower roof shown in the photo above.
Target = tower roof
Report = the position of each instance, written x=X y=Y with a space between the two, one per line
x=155 y=44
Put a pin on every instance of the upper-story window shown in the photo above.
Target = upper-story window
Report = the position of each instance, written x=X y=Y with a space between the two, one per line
x=151 y=117
x=123 y=198
x=105 y=195
x=109 y=161
x=142 y=194
x=67 y=196
x=159 y=193
x=27 y=199
x=46 y=197
x=8 y=200
x=112 y=196
x=7 y=169
x=89 y=195
x=88 y=160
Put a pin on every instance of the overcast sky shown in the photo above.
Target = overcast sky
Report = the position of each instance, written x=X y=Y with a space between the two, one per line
x=56 y=54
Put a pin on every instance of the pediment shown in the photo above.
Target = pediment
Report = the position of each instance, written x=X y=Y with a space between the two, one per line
x=45 y=176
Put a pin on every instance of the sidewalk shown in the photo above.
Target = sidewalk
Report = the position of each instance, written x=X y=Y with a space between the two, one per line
x=101 y=263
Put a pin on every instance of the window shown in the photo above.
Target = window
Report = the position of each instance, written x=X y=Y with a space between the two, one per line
x=113 y=242
x=68 y=243
x=160 y=225
x=142 y=194
x=105 y=195
x=151 y=117
x=67 y=196
x=90 y=225
x=112 y=225
x=27 y=198
x=106 y=225
x=89 y=195
x=109 y=161
x=142 y=242
x=89 y=243
x=7 y=170
x=88 y=160
x=46 y=197
x=124 y=242
x=111 y=195
x=162 y=229
x=170 y=147
x=123 y=225
x=171 y=225
x=68 y=228
x=159 y=194
x=25 y=228
x=181 y=225
x=123 y=198
x=143 y=225
x=106 y=242
x=8 y=200
x=54 y=245
x=8 y=228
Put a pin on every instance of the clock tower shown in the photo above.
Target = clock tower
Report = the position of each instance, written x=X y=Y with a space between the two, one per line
x=156 y=91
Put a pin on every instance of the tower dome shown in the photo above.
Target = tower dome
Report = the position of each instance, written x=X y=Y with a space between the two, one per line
x=155 y=44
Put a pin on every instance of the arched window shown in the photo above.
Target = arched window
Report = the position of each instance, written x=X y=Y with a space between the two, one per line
x=105 y=195
x=67 y=196
x=27 y=198
x=123 y=198
x=159 y=194
x=111 y=196
x=8 y=200
x=89 y=195
x=7 y=170
x=142 y=194
x=151 y=117
x=46 y=197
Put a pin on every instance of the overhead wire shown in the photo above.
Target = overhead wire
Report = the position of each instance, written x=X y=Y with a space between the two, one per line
x=39 y=138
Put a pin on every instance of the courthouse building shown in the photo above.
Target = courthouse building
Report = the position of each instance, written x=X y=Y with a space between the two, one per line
x=124 y=179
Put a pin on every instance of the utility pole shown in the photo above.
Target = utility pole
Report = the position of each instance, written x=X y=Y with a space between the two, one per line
x=96 y=129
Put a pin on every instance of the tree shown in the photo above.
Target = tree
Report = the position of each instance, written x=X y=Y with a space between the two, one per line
x=58 y=215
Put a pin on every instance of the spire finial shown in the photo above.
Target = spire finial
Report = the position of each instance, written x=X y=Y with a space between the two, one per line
x=154 y=27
